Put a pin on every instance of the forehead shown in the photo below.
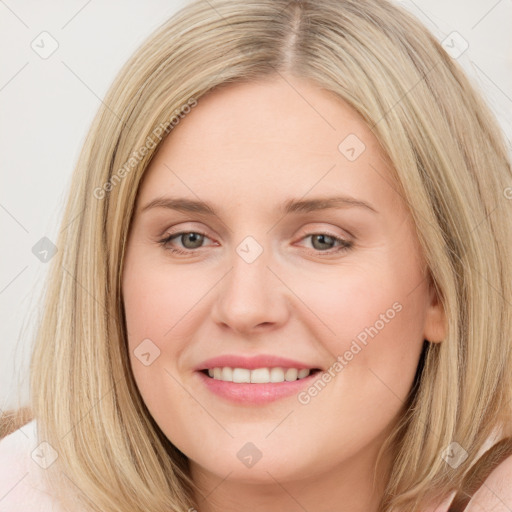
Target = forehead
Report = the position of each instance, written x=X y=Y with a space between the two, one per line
x=260 y=142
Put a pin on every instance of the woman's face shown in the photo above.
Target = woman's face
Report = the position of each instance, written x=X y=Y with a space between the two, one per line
x=275 y=275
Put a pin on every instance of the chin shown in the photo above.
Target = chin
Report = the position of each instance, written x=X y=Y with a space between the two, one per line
x=280 y=466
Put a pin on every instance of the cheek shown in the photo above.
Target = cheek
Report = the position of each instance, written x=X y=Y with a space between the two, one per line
x=375 y=322
x=156 y=302
x=374 y=317
x=156 y=298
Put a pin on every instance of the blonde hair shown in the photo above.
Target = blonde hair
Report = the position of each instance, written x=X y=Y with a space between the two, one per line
x=452 y=168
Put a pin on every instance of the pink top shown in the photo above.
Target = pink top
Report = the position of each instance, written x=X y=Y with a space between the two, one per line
x=22 y=488
x=23 y=461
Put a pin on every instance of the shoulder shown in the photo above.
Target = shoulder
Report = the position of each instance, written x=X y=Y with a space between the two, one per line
x=22 y=464
x=495 y=494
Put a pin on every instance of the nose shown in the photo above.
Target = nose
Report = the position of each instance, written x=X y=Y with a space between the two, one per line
x=251 y=297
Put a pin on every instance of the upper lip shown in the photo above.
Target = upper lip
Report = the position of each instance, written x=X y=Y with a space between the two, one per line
x=251 y=362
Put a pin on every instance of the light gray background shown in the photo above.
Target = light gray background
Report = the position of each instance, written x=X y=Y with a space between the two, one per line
x=48 y=104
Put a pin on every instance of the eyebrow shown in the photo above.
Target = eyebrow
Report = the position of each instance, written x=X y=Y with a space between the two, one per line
x=290 y=206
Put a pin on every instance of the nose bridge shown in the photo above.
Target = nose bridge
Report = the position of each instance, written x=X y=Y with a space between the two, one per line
x=250 y=293
x=250 y=264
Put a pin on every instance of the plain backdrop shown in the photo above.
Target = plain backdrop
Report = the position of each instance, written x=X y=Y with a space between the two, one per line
x=48 y=102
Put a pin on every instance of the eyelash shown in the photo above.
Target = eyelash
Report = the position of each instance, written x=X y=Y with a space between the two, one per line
x=345 y=244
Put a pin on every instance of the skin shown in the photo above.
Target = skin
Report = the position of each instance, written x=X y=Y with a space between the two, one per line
x=247 y=148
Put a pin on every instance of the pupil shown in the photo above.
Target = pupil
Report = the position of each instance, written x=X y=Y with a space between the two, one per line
x=322 y=240
x=195 y=238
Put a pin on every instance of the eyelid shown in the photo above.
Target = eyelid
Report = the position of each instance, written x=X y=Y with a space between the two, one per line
x=182 y=227
x=176 y=234
x=305 y=232
x=317 y=229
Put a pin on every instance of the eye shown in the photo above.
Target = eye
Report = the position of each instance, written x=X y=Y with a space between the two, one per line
x=190 y=240
x=322 y=242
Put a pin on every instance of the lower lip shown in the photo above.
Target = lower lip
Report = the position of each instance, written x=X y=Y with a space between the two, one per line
x=254 y=394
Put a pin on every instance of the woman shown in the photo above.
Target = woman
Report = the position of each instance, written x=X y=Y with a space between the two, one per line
x=202 y=349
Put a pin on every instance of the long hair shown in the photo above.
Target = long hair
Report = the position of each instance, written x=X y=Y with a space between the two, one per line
x=453 y=171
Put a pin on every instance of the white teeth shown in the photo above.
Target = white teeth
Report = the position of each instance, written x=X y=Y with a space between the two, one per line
x=241 y=375
x=276 y=375
x=291 y=374
x=227 y=374
x=303 y=373
x=258 y=375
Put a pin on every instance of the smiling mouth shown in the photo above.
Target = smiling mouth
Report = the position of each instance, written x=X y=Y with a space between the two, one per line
x=258 y=375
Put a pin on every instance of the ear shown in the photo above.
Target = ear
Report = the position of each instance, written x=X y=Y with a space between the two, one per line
x=435 y=319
